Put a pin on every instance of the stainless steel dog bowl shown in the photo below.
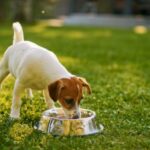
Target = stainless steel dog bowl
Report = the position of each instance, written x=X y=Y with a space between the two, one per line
x=53 y=121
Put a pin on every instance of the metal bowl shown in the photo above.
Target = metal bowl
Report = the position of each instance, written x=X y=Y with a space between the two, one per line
x=53 y=121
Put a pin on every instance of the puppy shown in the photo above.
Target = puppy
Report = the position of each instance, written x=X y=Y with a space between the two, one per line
x=35 y=67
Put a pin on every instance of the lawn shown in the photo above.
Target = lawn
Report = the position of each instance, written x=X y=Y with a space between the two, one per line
x=116 y=62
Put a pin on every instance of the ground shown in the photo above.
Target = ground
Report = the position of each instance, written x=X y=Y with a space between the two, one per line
x=116 y=64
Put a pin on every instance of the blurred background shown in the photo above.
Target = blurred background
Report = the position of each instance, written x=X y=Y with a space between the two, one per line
x=77 y=12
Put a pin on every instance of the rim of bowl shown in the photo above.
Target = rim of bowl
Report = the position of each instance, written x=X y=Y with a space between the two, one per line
x=84 y=118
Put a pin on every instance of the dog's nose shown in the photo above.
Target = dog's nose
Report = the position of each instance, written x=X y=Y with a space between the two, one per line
x=75 y=117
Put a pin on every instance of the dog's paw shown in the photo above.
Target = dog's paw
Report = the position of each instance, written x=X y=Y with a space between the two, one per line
x=14 y=116
x=11 y=121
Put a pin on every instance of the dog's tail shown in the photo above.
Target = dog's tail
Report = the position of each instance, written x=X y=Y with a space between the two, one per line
x=18 y=33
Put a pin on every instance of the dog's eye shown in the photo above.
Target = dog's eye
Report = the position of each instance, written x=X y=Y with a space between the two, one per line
x=69 y=101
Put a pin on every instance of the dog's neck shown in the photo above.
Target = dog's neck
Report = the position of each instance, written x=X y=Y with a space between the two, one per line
x=55 y=77
x=59 y=72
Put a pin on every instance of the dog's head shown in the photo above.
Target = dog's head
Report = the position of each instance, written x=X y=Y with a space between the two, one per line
x=69 y=92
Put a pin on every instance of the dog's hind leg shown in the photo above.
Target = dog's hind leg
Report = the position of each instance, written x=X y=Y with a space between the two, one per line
x=16 y=102
x=3 y=70
x=29 y=93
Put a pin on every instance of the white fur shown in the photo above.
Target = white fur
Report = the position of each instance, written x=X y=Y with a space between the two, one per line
x=33 y=67
x=18 y=36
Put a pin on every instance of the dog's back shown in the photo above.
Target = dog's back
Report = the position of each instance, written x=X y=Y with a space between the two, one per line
x=28 y=60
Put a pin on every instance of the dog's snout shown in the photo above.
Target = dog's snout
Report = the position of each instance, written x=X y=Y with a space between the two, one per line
x=72 y=114
x=76 y=116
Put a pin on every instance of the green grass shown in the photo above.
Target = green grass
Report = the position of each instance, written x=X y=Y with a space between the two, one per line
x=116 y=62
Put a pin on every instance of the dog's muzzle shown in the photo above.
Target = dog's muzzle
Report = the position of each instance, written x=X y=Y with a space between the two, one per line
x=76 y=116
x=72 y=114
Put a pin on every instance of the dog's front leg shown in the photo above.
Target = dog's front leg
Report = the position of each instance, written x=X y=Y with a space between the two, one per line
x=16 y=102
x=48 y=99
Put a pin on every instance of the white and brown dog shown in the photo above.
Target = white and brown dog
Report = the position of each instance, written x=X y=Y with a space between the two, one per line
x=35 y=67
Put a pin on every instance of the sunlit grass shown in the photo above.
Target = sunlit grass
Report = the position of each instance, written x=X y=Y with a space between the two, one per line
x=18 y=132
x=116 y=64
x=69 y=60
x=38 y=28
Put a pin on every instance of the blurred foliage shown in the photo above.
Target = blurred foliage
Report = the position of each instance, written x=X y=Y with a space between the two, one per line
x=26 y=10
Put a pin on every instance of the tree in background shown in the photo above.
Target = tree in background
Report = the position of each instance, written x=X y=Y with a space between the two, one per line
x=4 y=7
x=25 y=10
x=22 y=10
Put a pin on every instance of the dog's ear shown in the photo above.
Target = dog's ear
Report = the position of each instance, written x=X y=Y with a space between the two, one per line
x=85 y=84
x=55 y=89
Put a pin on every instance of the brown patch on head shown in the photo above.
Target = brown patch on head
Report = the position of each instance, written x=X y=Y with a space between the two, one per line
x=68 y=91
x=55 y=89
